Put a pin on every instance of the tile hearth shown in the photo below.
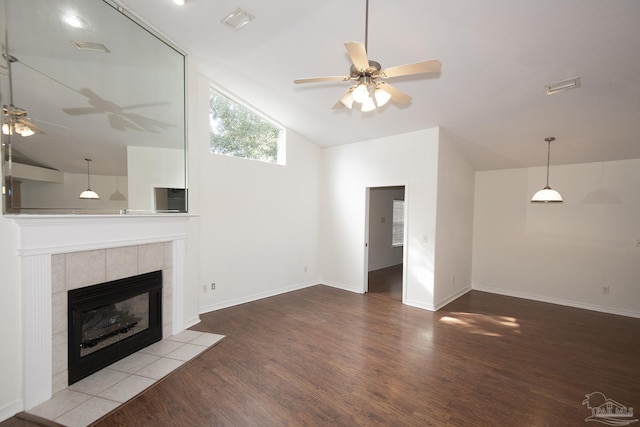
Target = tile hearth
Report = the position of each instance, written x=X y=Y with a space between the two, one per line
x=89 y=399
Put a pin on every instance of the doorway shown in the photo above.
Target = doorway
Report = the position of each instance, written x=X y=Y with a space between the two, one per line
x=385 y=242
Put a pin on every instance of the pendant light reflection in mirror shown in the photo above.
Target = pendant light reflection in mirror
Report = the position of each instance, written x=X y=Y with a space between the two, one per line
x=89 y=193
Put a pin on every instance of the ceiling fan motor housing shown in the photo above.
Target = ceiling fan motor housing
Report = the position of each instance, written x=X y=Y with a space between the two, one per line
x=374 y=68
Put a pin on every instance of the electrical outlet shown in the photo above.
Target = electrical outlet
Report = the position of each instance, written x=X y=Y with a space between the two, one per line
x=305 y=268
x=204 y=288
x=638 y=243
x=213 y=286
x=605 y=290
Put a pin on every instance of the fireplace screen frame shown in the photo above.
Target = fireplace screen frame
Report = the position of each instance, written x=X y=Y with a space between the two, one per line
x=83 y=300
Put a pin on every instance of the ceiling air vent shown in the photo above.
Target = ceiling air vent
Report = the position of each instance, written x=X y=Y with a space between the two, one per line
x=563 y=85
x=237 y=19
x=95 y=47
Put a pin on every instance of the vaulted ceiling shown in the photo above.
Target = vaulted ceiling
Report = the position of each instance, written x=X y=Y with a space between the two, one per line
x=497 y=57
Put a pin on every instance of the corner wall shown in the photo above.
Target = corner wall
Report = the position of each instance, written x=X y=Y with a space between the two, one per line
x=454 y=231
x=409 y=159
x=562 y=253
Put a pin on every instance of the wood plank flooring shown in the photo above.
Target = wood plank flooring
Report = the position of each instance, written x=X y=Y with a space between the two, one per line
x=322 y=356
x=386 y=282
x=326 y=357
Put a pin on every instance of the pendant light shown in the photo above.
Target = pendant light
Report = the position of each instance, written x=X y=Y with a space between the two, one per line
x=89 y=193
x=547 y=194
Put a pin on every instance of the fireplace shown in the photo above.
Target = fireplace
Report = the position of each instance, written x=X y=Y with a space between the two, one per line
x=112 y=320
x=63 y=253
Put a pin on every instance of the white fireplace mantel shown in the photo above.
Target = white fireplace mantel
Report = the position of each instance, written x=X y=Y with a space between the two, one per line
x=42 y=236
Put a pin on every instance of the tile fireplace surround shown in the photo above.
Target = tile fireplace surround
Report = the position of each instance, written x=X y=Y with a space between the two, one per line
x=59 y=253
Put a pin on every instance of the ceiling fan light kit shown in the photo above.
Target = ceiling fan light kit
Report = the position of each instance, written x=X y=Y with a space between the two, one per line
x=368 y=92
x=547 y=195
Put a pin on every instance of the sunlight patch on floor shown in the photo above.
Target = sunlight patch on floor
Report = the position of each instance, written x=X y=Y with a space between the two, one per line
x=483 y=324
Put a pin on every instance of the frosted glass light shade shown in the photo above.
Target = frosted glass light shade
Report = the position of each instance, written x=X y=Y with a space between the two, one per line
x=347 y=99
x=361 y=93
x=547 y=195
x=382 y=96
x=89 y=194
x=368 y=105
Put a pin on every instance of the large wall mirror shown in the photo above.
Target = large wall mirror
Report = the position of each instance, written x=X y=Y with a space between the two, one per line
x=91 y=99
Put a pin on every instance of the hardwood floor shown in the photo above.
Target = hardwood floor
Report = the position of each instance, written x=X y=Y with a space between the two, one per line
x=322 y=356
x=386 y=282
x=326 y=357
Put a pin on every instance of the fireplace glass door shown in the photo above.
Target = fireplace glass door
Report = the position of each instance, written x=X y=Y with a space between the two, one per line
x=109 y=321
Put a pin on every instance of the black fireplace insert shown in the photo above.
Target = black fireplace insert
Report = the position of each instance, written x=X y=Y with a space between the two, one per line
x=112 y=320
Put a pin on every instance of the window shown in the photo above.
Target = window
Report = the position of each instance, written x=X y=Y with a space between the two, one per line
x=238 y=131
x=397 y=237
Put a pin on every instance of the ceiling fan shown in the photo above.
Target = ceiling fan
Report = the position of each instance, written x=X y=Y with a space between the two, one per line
x=14 y=119
x=367 y=73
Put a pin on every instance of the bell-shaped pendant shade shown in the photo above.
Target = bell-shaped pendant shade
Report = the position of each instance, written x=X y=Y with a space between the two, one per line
x=89 y=193
x=547 y=195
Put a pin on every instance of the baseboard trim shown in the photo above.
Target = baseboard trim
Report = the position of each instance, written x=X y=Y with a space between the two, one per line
x=10 y=409
x=452 y=297
x=420 y=304
x=192 y=322
x=254 y=297
x=558 y=301
x=341 y=286
x=380 y=267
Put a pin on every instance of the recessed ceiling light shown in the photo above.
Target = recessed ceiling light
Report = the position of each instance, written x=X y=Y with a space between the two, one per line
x=180 y=2
x=563 y=85
x=96 y=47
x=237 y=19
x=74 y=21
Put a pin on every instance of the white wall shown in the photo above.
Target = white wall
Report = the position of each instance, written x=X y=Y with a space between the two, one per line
x=258 y=223
x=409 y=159
x=11 y=321
x=36 y=194
x=381 y=253
x=454 y=231
x=151 y=167
x=566 y=252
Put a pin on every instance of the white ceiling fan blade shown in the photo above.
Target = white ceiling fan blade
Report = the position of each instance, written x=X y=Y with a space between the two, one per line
x=410 y=69
x=321 y=79
x=396 y=94
x=358 y=55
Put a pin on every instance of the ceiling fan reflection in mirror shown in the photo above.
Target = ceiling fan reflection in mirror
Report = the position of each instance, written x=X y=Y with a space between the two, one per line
x=14 y=119
x=368 y=91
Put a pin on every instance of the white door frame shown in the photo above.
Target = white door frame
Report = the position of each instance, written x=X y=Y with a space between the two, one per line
x=365 y=285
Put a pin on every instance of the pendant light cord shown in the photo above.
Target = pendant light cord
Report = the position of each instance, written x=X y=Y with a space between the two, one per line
x=88 y=175
x=548 y=158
